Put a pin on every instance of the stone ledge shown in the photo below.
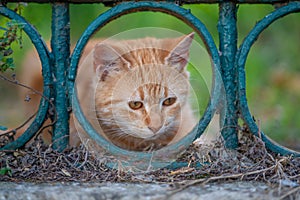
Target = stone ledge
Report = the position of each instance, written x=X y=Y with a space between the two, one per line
x=131 y=191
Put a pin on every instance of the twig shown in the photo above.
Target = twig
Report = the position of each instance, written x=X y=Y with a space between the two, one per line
x=44 y=127
x=19 y=127
x=85 y=159
x=15 y=82
x=215 y=178
x=296 y=176
x=297 y=189
x=259 y=129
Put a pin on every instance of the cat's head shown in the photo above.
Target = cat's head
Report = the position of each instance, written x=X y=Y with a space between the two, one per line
x=142 y=90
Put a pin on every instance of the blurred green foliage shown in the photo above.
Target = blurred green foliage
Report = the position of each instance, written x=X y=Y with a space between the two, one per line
x=9 y=33
x=9 y=36
x=6 y=171
x=273 y=65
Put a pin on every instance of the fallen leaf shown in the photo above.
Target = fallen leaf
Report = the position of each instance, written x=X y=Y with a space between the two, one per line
x=66 y=172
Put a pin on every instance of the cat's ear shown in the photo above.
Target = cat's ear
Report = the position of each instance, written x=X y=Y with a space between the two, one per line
x=179 y=55
x=107 y=58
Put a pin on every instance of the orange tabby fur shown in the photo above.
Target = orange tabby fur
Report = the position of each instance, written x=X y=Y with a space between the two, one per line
x=116 y=74
x=31 y=75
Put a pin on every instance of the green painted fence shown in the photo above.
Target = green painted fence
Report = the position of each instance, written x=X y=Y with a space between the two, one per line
x=228 y=63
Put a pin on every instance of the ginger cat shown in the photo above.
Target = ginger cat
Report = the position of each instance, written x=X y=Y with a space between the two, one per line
x=136 y=91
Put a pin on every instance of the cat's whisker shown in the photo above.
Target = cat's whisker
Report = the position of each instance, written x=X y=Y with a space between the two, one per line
x=108 y=120
x=119 y=136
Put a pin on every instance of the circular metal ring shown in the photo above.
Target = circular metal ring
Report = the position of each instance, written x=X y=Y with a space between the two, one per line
x=157 y=158
x=43 y=52
x=240 y=63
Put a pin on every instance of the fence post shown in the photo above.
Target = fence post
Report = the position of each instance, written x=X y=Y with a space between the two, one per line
x=228 y=48
x=60 y=44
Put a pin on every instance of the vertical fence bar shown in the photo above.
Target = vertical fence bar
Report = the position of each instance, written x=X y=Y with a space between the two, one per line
x=60 y=44
x=228 y=48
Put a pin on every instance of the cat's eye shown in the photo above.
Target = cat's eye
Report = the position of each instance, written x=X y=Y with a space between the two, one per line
x=169 y=101
x=135 y=105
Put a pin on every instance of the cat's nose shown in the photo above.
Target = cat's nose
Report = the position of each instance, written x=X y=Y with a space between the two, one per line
x=154 y=120
x=155 y=123
x=155 y=129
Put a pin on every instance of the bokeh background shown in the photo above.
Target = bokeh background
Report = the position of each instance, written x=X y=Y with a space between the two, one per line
x=272 y=69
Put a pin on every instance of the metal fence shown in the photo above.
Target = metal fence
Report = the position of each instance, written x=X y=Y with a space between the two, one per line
x=231 y=64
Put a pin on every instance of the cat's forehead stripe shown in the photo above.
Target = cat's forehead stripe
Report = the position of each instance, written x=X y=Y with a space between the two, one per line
x=141 y=93
x=111 y=102
x=166 y=91
x=153 y=90
x=140 y=57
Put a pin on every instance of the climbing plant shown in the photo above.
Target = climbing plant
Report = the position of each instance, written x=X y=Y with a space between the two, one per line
x=10 y=32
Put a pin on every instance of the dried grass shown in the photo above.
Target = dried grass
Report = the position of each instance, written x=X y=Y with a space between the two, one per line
x=250 y=162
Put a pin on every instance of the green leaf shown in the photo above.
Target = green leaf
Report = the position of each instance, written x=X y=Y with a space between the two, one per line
x=6 y=171
x=10 y=63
